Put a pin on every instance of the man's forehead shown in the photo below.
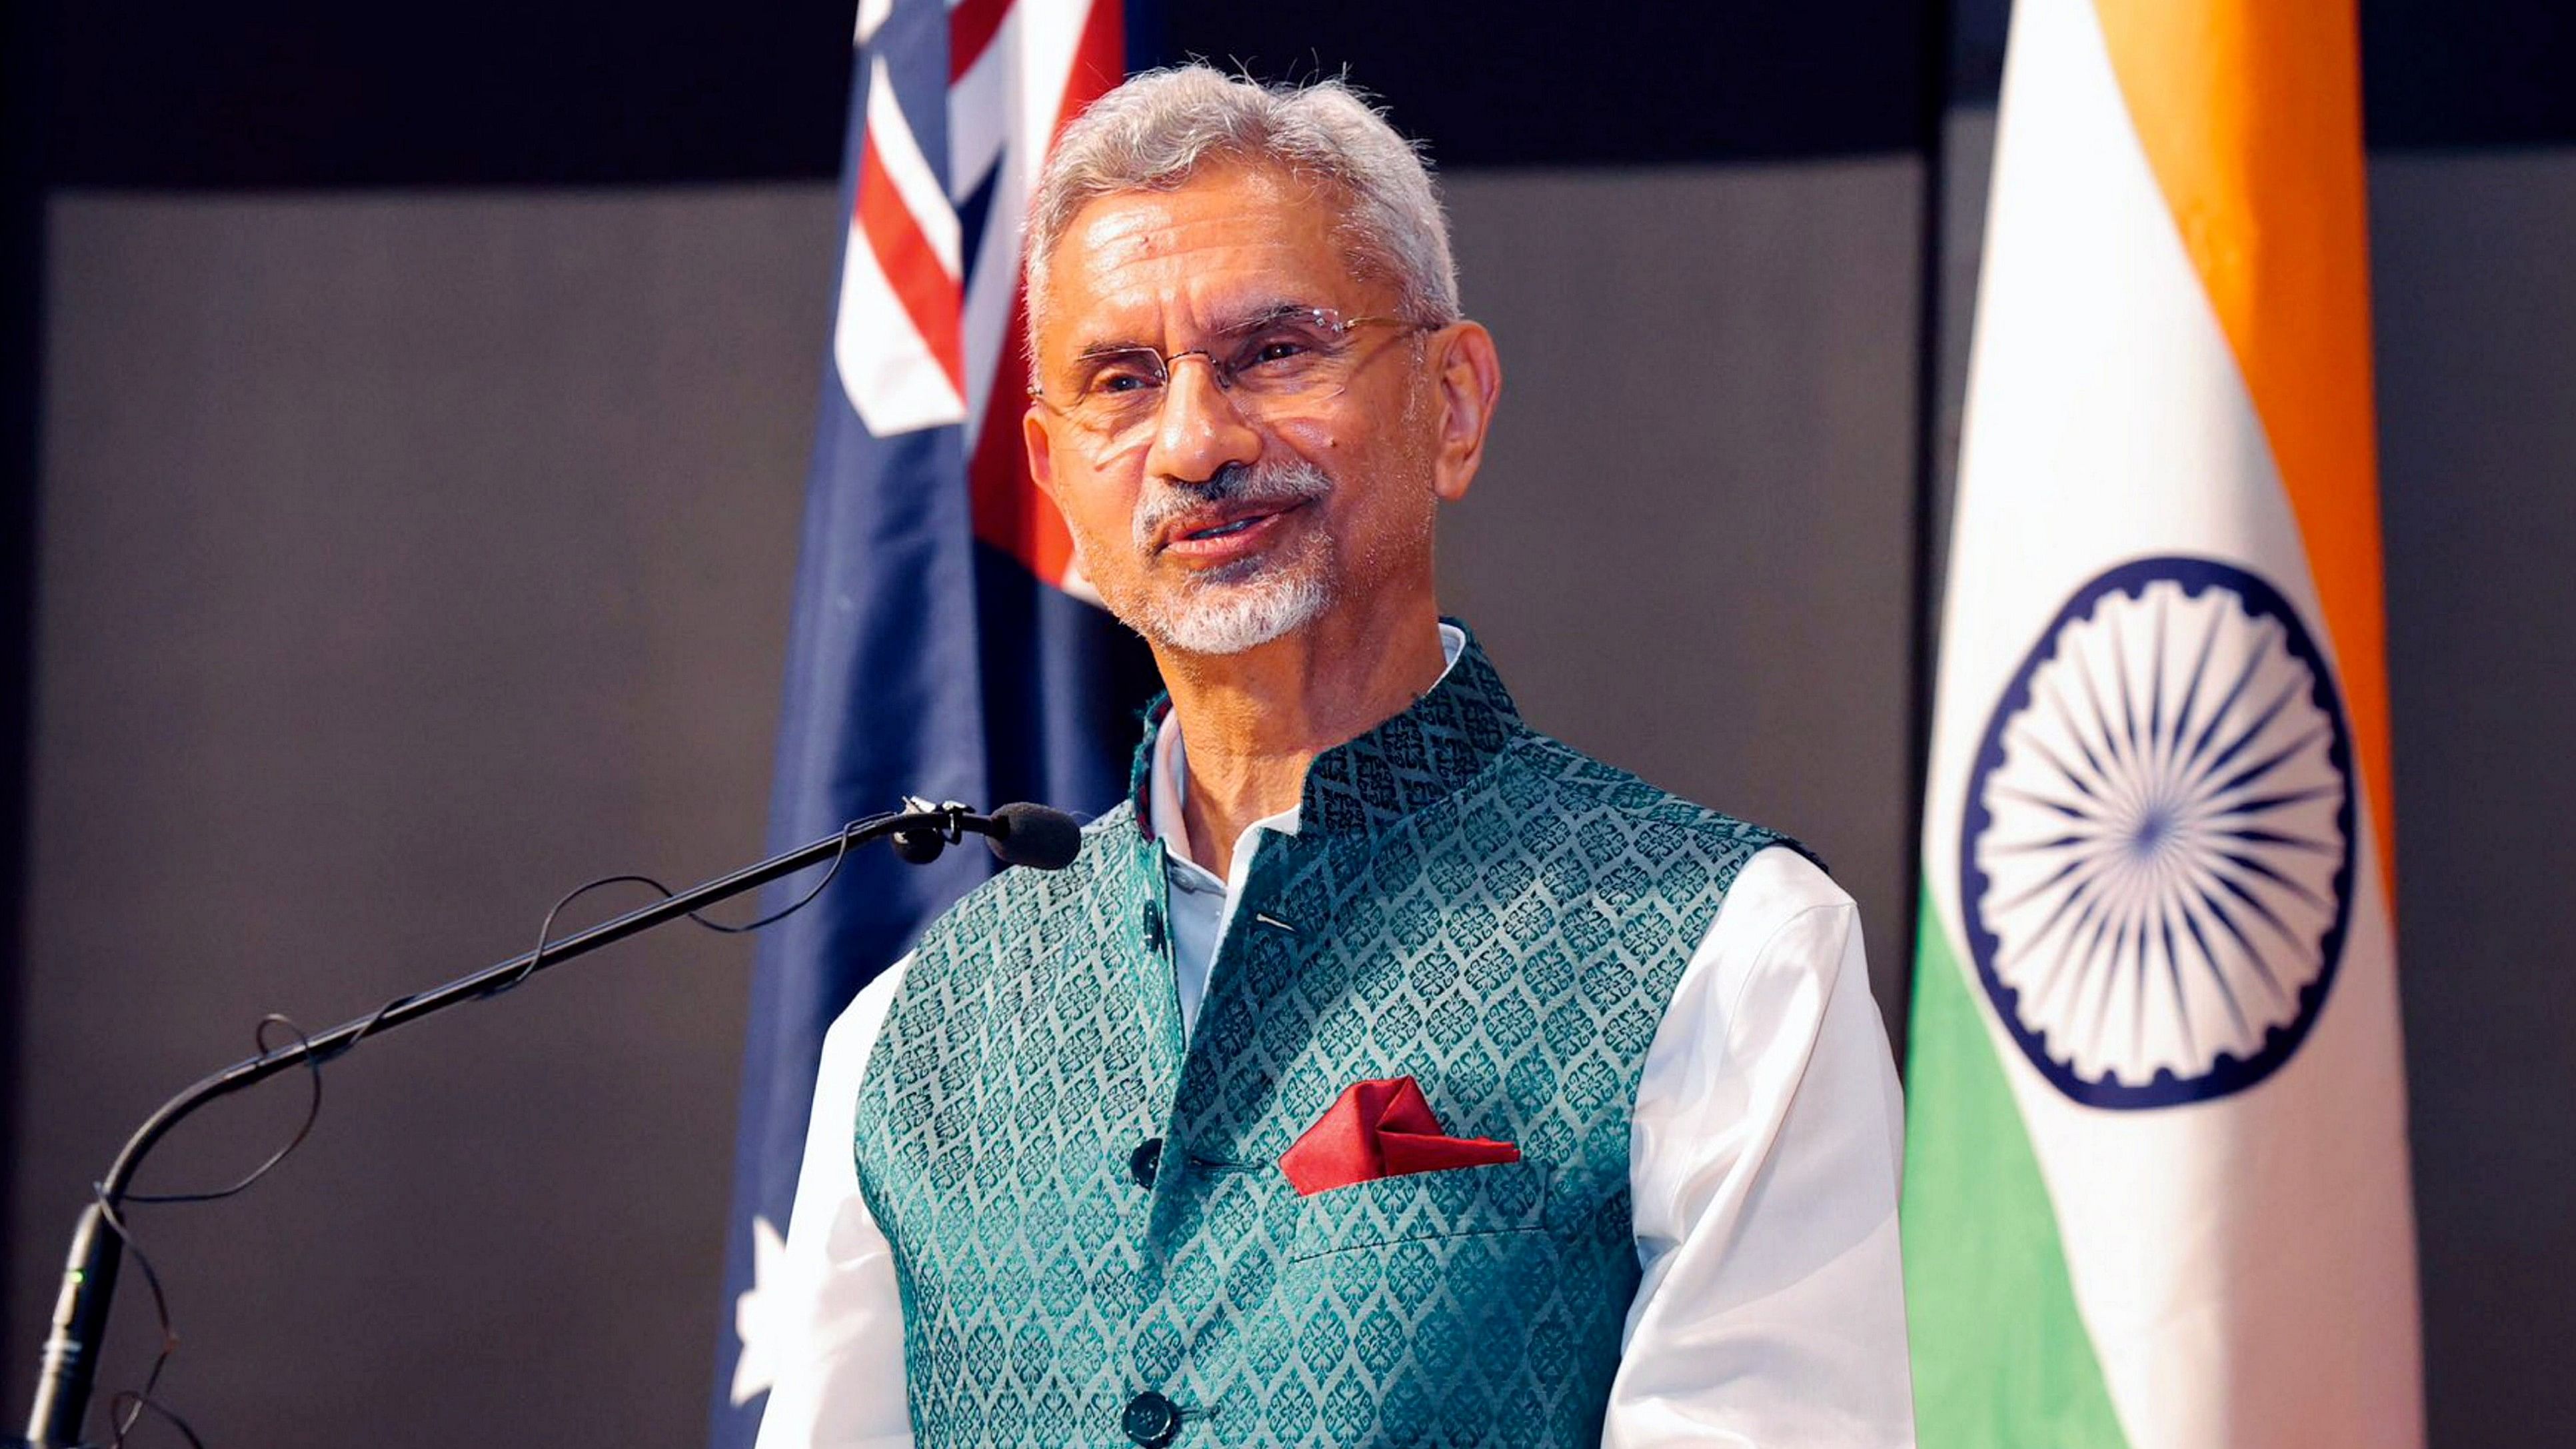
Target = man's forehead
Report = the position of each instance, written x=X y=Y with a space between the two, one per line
x=1232 y=241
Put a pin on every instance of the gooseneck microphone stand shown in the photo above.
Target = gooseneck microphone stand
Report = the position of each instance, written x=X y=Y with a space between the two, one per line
x=1031 y=835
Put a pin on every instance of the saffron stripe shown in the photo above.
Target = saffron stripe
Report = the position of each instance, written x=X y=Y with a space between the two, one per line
x=2250 y=115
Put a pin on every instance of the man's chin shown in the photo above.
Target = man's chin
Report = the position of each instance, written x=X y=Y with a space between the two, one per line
x=1218 y=616
x=1244 y=573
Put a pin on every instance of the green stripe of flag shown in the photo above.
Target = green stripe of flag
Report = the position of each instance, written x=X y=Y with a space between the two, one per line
x=2002 y=1359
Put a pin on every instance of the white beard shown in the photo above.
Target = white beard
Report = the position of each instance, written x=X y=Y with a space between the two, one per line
x=1277 y=599
x=1247 y=603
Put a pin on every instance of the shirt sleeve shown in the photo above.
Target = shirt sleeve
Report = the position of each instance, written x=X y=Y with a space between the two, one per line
x=835 y=1325
x=1764 y=1162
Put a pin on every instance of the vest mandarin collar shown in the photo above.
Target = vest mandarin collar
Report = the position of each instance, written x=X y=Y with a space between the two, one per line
x=1418 y=757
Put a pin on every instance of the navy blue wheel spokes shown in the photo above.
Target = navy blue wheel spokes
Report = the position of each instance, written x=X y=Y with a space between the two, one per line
x=2157 y=852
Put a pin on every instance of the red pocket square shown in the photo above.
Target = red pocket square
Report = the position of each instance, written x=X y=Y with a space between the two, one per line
x=1381 y=1129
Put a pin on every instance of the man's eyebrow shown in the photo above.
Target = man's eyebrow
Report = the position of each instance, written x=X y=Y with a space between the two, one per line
x=1108 y=347
x=1263 y=314
x=1259 y=314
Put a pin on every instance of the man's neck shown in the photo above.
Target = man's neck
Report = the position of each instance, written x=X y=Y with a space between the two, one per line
x=1252 y=722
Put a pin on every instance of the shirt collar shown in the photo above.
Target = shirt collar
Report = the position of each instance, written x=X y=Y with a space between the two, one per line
x=1422 y=754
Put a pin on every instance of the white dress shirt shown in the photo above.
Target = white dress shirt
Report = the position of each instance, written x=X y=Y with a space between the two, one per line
x=1763 y=1164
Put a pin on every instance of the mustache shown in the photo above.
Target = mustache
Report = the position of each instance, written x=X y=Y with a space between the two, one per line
x=1283 y=482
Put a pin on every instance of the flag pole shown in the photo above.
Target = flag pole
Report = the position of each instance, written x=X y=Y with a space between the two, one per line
x=1930 y=516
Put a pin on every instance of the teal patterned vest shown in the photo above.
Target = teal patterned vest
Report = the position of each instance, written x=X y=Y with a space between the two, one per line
x=1093 y=1237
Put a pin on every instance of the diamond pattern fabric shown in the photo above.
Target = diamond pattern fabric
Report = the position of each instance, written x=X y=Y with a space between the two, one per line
x=1468 y=903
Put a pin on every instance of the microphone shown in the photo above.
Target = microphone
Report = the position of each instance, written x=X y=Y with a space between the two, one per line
x=1038 y=836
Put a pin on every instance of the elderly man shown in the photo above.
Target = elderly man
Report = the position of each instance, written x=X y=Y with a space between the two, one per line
x=1384 y=1072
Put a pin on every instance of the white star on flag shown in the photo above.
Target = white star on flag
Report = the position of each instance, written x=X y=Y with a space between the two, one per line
x=755 y=1313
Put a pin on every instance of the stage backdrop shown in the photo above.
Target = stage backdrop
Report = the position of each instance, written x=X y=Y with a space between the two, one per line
x=420 y=470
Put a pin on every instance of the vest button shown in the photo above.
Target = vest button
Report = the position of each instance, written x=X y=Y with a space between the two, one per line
x=1145 y=1161
x=1153 y=929
x=1150 y=1420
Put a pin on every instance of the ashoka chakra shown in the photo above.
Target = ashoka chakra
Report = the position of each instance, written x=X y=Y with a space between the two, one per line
x=2157 y=853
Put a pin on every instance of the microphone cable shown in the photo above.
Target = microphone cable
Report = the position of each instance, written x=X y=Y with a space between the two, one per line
x=127 y=1406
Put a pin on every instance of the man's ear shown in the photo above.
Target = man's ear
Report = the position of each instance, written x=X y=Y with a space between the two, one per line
x=1037 y=439
x=1468 y=381
x=1039 y=444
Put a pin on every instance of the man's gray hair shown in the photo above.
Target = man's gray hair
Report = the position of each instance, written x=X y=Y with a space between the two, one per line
x=1155 y=131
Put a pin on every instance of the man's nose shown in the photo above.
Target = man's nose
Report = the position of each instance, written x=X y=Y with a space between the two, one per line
x=1200 y=429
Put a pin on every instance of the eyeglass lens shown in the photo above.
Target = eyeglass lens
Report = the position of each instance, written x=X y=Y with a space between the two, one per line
x=1276 y=360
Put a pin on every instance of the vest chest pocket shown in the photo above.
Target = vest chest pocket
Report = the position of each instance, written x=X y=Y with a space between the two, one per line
x=1457 y=1202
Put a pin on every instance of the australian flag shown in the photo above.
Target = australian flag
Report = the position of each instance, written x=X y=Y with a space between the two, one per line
x=941 y=644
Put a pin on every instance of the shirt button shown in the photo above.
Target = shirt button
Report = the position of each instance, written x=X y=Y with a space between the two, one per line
x=1145 y=1161
x=1153 y=929
x=1150 y=1420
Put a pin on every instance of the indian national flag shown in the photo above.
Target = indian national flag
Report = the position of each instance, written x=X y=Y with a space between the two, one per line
x=2156 y=1184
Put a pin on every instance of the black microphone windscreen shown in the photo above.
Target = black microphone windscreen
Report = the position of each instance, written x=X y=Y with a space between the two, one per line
x=1038 y=836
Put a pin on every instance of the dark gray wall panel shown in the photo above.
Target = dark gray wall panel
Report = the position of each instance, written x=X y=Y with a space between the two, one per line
x=404 y=563
x=1692 y=549
x=2475 y=307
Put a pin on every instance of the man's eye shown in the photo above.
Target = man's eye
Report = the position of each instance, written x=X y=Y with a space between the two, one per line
x=1276 y=350
x=1119 y=382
